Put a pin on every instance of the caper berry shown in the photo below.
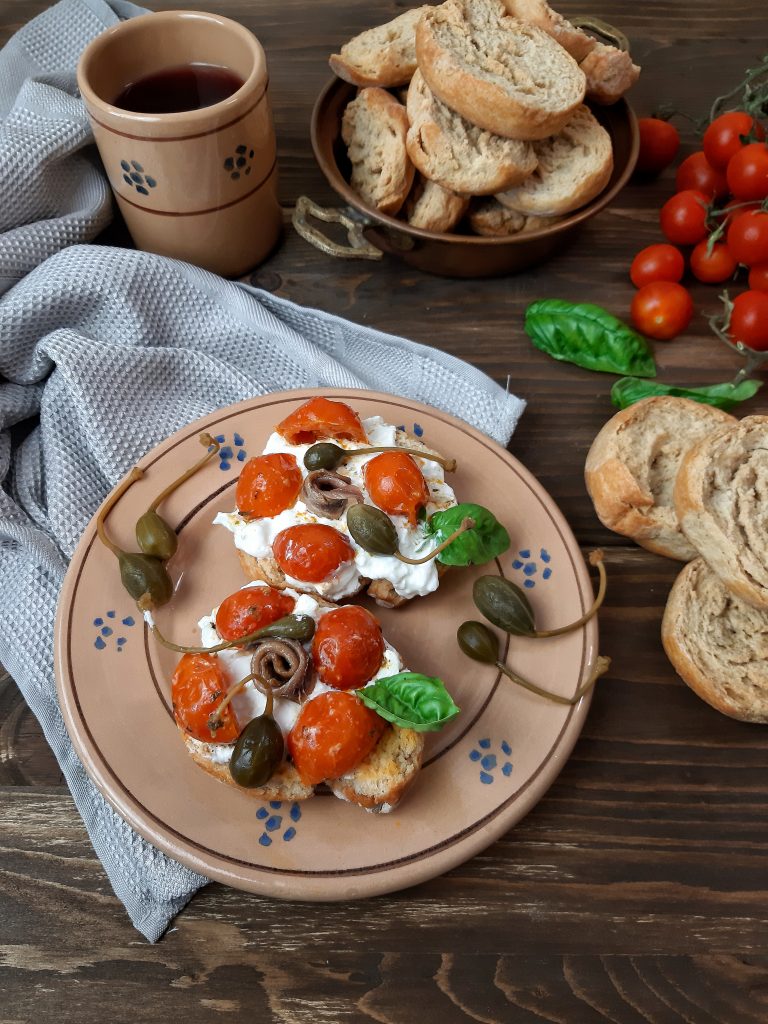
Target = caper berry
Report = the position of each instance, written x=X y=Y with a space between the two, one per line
x=478 y=642
x=258 y=752
x=372 y=529
x=323 y=456
x=504 y=604
x=155 y=536
x=290 y=627
x=145 y=576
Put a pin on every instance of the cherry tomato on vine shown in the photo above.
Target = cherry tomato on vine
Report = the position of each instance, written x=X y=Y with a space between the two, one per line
x=310 y=552
x=660 y=262
x=662 y=310
x=250 y=609
x=684 y=217
x=396 y=485
x=735 y=207
x=199 y=686
x=747 y=172
x=713 y=266
x=268 y=484
x=722 y=139
x=696 y=172
x=334 y=732
x=749 y=320
x=659 y=143
x=748 y=237
x=321 y=417
x=758 y=277
x=348 y=647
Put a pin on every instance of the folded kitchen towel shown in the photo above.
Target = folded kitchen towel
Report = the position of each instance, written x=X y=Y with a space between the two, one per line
x=104 y=352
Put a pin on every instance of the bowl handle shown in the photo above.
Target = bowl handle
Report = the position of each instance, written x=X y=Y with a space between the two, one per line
x=606 y=32
x=359 y=247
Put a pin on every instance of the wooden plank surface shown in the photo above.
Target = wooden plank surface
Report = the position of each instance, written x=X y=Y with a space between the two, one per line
x=636 y=890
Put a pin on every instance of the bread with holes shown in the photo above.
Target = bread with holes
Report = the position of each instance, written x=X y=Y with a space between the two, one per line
x=383 y=56
x=632 y=467
x=374 y=127
x=434 y=208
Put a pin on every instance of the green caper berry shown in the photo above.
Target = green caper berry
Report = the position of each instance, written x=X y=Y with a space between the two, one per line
x=372 y=529
x=155 y=536
x=145 y=575
x=323 y=455
x=258 y=752
x=290 y=627
x=478 y=642
x=504 y=604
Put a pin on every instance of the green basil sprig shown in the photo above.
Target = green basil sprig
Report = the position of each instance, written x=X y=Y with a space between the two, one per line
x=628 y=390
x=588 y=336
x=411 y=700
x=486 y=540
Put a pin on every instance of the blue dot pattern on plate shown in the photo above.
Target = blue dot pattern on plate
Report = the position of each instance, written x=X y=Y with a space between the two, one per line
x=489 y=762
x=229 y=452
x=533 y=569
x=277 y=825
x=106 y=634
x=134 y=176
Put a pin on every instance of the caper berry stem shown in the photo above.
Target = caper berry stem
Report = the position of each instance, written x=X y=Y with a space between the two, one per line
x=213 y=445
x=225 y=645
x=214 y=719
x=596 y=559
x=449 y=465
x=466 y=524
x=109 y=504
x=600 y=668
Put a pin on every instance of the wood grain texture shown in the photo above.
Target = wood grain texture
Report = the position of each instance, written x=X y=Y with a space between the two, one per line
x=636 y=890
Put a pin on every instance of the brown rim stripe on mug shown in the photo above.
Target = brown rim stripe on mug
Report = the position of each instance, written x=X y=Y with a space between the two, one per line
x=180 y=138
x=212 y=209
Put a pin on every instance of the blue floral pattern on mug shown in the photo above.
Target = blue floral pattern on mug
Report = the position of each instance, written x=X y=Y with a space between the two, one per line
x=239 y=164
x=135 y=176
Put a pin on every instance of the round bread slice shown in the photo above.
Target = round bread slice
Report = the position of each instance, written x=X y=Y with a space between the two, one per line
x=721 y=498
x=633 y=463
x=384 y=55
x=374 y=127
x=379 y=782
x=456 y=153
x=717 y=644
x=285 y=784
x=573 y=167
x=434 y=208
x=540 y=14
x=498 y=72
x=492 y=220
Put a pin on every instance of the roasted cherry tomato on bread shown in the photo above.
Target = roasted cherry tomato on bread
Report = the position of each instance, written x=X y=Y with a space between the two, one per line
x=684 y=217
x=749 y=320
x=322 y=418
x=748 y=237
x=348 y=647
x=696 y=172
x=250 y=609
x=659 y=143
x=310 y=552
x=333 y=733
x=723 y=137
x=758 y=278
x=662 y=310
x=747 y=172
x=268 y=485
x=712 y=264
x=395 y=483
x=659 y=262
x=199 y=686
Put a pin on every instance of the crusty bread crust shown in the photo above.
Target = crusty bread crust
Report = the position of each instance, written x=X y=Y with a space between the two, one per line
x=717 y=644
x=609 y=73
x=384 y=55
x=285 y=784
x=434 y=208
x=374 y=126
x=631 y=468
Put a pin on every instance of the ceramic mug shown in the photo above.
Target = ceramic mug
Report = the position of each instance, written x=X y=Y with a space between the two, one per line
x=199 y=185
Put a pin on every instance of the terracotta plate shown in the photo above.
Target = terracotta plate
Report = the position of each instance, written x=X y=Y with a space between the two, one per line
x=482 y=773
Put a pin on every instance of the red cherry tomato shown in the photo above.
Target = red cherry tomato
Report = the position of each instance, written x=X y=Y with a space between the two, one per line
x=758 y=278
x=662 y=310
x=723 y=136
x=747 y=172
x=268 y=485
x=310 y=552
x=736 y=207
x=749 y=320
x=348 y=647
x=696 y=172
x=198 y=687
x=659 y=262
x=396 y=485
x=322 y=417
x=713 y=266
x=659 y=143
x=684 y=217
x=250 y=609
x=748 y=238
x=334 y=732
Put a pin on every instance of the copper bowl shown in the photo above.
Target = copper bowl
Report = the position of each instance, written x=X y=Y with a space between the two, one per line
x=372 y=233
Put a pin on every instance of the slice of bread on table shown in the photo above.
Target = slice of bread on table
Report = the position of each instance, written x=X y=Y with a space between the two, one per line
x=720 y=499
x=498 y=72
x=717 y=644
x=452 y=151
x=374 y=127
x=633 y=464
x=434 y=208
x=384 y=55
x=573 y=167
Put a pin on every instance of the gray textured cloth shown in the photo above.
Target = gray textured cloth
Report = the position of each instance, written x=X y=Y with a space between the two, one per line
x=103 y=353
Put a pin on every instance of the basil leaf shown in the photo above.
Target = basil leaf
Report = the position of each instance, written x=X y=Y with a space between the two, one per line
x=410 y=700
x=484 y=541
x=588 y=336
x=628 y=390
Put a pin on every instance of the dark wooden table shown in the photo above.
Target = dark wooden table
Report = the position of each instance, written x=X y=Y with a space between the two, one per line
x=637 y=890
